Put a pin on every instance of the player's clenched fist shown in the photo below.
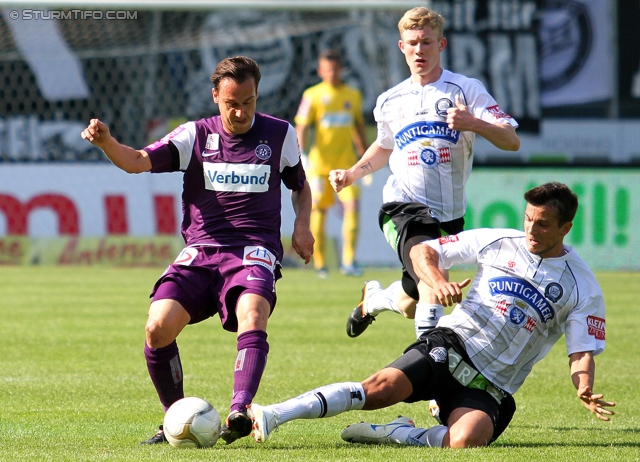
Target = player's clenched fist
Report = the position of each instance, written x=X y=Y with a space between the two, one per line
x=339 y=179
x=97 y=133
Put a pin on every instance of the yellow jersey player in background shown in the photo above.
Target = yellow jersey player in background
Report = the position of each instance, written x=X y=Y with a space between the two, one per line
x=334 y=110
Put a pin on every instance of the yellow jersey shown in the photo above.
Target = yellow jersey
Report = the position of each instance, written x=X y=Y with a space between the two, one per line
x=333 y=113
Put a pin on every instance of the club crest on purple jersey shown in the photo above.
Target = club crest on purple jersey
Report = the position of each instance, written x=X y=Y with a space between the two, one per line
x=263 y=152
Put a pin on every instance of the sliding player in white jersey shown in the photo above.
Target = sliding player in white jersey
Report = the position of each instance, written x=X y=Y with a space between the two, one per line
x=426 y=129
x=529 y=289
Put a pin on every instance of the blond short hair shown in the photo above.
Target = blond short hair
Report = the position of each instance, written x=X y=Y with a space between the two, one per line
x=419 y=17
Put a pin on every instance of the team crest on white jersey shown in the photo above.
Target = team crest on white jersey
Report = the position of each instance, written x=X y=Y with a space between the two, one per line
x=442 y=105
x=516 y=317
x=258 y=255
x=515 y=314
x=553 y=292
x=429 y=157
x=263 y=152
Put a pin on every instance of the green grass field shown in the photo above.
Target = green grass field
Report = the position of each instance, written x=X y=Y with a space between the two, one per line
x=74 y=385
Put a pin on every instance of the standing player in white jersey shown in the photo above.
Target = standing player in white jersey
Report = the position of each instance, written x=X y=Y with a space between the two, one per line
x=529 y=290
x=234 y=165
x=426 y=129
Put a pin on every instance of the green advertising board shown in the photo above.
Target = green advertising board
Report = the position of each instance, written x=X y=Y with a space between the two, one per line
x=605 y=230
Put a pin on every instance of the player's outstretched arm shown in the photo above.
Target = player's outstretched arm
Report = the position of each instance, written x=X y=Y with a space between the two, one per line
x=373 y=160
x=583 y=369
x=124 y=157
x=302 y=240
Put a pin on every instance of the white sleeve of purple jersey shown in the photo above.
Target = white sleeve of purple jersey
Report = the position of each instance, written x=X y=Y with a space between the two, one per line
x=183 y=137
x=184 y=141
x=290 y=150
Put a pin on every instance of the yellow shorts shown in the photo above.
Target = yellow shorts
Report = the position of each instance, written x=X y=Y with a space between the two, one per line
x=323 y=195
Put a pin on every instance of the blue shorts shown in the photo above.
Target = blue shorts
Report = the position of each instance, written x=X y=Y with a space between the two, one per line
x=207 y=280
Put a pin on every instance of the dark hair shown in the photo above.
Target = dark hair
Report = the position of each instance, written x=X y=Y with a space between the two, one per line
x=239 y=69
x=556 y=195
x=331 y=55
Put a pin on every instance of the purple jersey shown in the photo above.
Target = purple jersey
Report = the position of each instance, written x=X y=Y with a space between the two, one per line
x=231 y=193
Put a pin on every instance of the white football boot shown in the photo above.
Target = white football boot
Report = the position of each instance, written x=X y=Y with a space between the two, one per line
x=367 y=433
x=264 y=422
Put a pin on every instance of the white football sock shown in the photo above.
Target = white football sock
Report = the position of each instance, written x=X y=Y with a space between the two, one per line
x=325 y=401
x=410 y=436
x=384 y=300
x=427 y=316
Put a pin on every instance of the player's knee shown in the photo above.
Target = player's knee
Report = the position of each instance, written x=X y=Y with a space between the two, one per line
x=156 y=336
x=386 y=388
x=468 y=437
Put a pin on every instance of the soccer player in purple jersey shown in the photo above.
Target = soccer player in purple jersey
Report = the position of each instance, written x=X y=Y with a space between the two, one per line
x=233 y=166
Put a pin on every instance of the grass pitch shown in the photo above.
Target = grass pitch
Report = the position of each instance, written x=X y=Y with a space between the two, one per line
x=74 y=385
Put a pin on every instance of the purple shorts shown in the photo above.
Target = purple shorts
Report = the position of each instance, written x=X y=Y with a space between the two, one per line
x=207 y=280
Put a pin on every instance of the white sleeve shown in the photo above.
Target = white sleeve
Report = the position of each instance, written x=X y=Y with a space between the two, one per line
x=484 y=106
x=456 y=249
x=465 y=247
x=290 y=149
x=585 y=325
x=384 y=137
x=183 y=138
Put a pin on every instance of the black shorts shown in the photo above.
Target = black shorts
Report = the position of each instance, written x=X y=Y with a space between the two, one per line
x=406 y=224
x=427 y=364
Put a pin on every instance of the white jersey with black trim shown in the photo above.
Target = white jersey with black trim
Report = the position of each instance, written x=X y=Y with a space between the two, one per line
x=430 y=162
x=519 y=304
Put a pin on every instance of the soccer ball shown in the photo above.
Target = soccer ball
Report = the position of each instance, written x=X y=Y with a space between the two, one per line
x=191 y=423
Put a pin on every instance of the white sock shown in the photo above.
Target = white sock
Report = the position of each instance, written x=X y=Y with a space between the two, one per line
x=325 y=401
x=427 y=316
x=384 y=300
x=409 y=436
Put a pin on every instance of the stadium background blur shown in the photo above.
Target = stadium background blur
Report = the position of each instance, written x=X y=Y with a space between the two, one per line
x=568 y=71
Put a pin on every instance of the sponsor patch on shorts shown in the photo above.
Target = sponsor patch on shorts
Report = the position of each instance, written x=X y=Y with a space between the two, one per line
x=438 y=354
x=186 y=257
x=257 y=255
